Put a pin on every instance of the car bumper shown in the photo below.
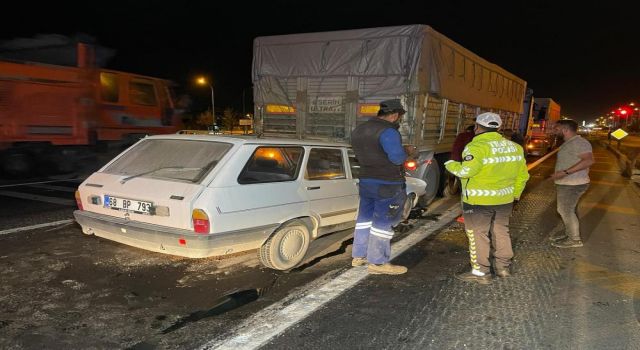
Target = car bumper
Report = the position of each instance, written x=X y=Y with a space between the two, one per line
x=169 y=240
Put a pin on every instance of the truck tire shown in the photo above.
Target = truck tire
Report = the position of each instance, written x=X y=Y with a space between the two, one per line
x=286 y=248
x=452 y=187
x=17 y=164
x=432 y=178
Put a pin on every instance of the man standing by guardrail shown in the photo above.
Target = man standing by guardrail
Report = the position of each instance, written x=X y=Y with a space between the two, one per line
x=572 y=180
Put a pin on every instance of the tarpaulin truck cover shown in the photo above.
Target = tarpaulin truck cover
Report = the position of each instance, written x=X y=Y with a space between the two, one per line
x=411 y=59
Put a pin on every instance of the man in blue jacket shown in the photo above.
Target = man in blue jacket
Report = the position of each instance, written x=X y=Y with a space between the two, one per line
x=377 y=145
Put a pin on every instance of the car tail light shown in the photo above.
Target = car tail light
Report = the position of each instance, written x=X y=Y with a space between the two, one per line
x=78 y=201
x=410 y=165
x=200 y=221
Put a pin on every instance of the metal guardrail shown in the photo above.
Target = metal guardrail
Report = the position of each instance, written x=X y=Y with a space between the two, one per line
x=628 y=165
x=539 y=161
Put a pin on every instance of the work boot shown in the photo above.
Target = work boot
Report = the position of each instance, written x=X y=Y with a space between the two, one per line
x=358 y=262
x=470 y=277
x=503 y=272
x=568 y=243
x=386 y=269
x=558 y=237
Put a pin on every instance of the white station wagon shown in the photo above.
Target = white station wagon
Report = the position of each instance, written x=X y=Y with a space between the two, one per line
x=202 y=195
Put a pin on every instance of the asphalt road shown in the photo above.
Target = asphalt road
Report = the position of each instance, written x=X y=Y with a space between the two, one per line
x=62 y=289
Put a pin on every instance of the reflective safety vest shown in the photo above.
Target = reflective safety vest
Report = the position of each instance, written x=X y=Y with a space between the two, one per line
x=493 y=170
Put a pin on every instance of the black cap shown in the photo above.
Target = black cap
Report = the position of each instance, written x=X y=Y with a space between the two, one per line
x=391 y=106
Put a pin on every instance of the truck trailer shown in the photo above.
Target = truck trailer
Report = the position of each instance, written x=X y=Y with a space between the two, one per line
x=322 y=85
x=541 y=140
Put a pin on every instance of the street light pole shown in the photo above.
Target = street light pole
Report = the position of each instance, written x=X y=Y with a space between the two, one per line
x=213 y=109
x=203 y=81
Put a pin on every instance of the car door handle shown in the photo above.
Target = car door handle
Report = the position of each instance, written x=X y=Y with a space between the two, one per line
x=313 y=187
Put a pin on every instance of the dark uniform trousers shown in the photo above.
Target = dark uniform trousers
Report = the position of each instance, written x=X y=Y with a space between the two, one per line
x=486 y=226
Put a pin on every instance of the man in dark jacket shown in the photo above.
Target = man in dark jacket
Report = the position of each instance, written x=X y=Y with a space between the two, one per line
x=377 y=145
x=460 y=142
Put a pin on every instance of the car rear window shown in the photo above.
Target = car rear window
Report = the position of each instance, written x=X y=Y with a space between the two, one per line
x=182 y=160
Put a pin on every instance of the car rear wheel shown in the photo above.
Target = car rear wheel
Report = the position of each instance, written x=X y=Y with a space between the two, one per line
x=286 y=248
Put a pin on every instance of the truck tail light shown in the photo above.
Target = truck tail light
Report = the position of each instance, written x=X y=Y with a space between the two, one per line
x=78 y=201
x=410 y=165
x=200 y=221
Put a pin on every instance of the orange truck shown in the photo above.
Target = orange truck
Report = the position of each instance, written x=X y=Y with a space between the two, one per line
x=52 y=116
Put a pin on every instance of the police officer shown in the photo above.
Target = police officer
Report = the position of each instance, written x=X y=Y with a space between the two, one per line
x=493 y=172
x=378 y=147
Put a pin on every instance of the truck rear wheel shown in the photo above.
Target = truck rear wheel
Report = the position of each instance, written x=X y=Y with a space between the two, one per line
x=452 y=187
x=432 y=178
x=16 y=163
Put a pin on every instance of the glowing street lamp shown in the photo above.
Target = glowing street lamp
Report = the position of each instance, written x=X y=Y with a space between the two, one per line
x=203 y=81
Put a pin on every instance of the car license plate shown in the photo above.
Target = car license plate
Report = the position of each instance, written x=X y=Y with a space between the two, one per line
x=127 y=204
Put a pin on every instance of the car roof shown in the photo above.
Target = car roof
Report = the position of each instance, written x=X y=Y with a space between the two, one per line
x=247 y=139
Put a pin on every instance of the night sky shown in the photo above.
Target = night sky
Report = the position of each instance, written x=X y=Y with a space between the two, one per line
x=584 y=56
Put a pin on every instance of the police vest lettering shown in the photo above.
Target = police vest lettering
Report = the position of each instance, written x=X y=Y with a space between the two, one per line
x=502 y=147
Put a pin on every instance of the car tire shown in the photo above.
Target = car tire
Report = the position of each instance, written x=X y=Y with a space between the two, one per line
x=408 y=206
x=286 y=248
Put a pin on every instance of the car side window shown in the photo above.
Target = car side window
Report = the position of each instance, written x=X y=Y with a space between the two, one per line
x=325 y=164
x=354 y=164
x=272 y=164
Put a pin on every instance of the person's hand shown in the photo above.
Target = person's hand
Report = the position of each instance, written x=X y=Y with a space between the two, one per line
x=411 y=150
x=558 y=175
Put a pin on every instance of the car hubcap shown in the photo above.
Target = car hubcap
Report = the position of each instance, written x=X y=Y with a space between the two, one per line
x=292 y=244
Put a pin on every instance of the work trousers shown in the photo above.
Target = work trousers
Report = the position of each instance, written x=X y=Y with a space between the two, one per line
x=487 y=226
x=380 y=209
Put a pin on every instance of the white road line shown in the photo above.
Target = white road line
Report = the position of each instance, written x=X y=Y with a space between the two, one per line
x=35 y=197
x=34 y=227
x=55 y=188
x=275 y=319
